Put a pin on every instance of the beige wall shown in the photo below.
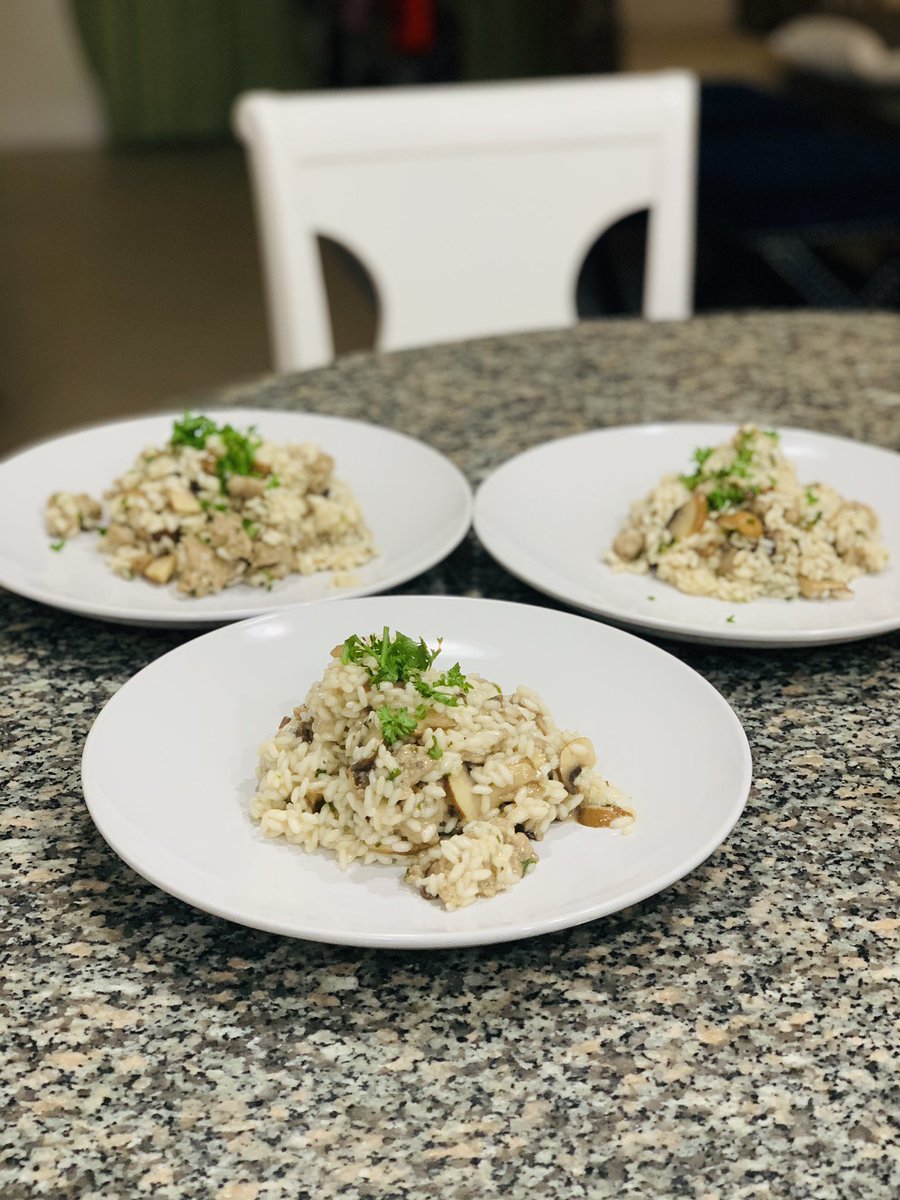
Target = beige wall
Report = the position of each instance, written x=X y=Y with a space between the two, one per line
x=47 y=96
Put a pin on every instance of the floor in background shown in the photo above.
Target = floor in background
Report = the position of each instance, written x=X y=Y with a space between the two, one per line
x=131 y=280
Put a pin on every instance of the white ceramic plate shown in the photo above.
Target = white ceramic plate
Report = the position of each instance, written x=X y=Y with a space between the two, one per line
x=169 y=769
x=549 y=514
x=381 y=466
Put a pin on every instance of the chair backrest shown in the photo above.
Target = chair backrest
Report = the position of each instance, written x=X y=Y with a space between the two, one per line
x=472 y=206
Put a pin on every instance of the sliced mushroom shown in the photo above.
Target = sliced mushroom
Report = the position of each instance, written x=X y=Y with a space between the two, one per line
x=689 y=518
x=599 y=816
x=726 y=562
x=573 y=759
x=160 y=570
x=463 y=796
x=629 y=544
x=244 y=487
x=817 y=589
x=435 y=720
x=304 y=724
x=522 y=773
x=361 y=768
x=743 y=522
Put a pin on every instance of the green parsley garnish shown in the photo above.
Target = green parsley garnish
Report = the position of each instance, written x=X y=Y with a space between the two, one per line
x=772 y=433
x=811 y=497
x=651 y=597
x=192 y=430
x=270 y=579
x=724 y=492
x=528 y=862
x=435 y=751
x=58 y=545
x=398 y=659
x=402 y=659
x=250 y=527
x=208 y=504
x=452 y=678
x=701 y=454
x=274 y=481
x=393 y=774
x=730 y=620
x=396 y=723
x=240 y=448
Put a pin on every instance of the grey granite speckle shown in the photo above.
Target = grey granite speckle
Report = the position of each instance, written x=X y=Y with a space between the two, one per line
x=735 y=1036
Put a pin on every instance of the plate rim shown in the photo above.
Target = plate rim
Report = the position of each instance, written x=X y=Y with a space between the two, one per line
x=448 y=939
x=729 y=636
x=195 y=618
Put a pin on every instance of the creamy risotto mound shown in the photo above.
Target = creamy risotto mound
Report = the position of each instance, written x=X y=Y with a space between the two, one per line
x=389 y=759
x=741 y=525
x=214 y=507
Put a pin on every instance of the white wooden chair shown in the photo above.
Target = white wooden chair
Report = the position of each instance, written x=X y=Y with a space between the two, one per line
x=472 y=206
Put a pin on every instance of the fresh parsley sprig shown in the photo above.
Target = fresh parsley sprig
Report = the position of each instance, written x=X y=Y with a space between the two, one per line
x=725 y=492
x=397 y=723
x=398 y=659
x=195 y=431
x=402 y=659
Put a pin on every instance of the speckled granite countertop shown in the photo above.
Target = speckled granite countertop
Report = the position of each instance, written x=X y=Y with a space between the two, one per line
x=734 y=1036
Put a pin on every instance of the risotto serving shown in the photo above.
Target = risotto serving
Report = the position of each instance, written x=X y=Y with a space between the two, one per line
x=214 y=507
x=390 y=759
x=741 y=526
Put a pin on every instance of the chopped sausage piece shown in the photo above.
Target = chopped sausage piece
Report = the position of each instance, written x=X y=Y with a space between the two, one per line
x=120 y=535
x=202 y=571
x=182 y=501
x=319 y=471
x=227 y=533
x=160 y=570
x=264 y=555
x=629 y=544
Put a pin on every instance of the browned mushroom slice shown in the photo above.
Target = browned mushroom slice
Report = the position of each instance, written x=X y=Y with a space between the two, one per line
x=435 y=720
x=689 y=518
x=463 y=796
x=522 y=773
x=573 y=759
x=600 y=816
x=245 y=487
x=819 y=589
x=743 y=522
